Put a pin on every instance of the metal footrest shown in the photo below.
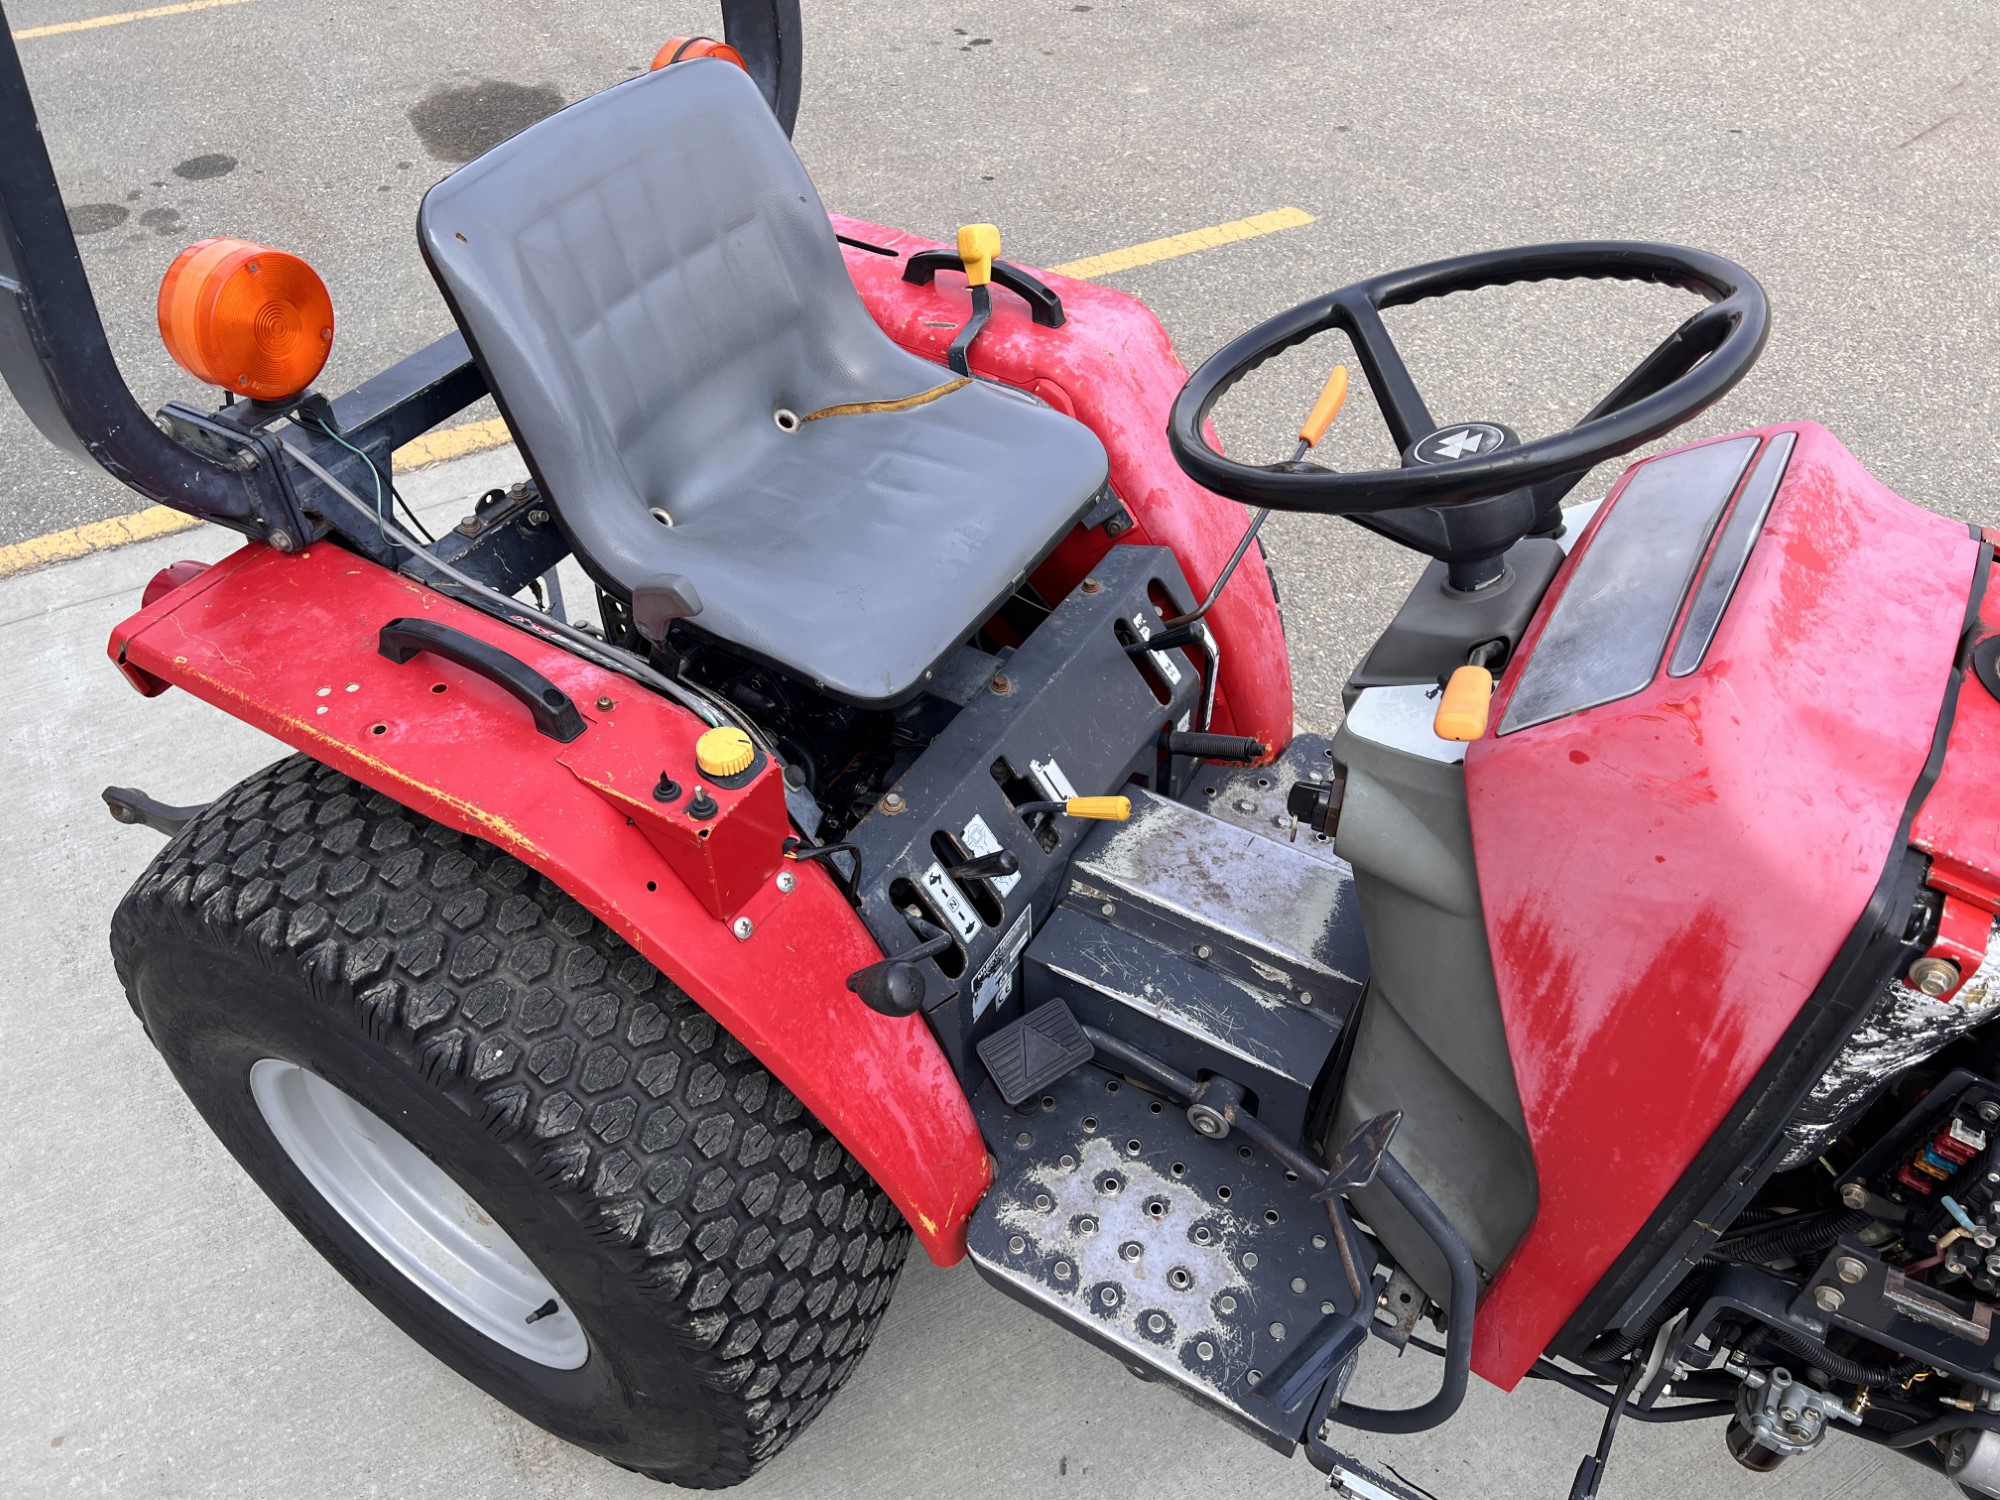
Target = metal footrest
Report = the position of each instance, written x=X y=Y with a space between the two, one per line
x=1191 y=1260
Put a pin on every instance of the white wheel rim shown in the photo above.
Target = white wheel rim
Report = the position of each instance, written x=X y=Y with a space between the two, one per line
x=419 y=1220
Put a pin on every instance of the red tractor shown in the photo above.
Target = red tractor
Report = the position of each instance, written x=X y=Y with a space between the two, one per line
x=916 y=843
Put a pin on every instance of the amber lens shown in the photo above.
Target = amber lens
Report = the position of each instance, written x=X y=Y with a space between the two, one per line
x=682 y=48
x=245 y=317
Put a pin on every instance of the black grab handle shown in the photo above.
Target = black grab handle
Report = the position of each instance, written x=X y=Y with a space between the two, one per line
x=921 y=270
x=555 y=715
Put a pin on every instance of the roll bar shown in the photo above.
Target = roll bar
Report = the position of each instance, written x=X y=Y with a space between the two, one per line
x=221 y=467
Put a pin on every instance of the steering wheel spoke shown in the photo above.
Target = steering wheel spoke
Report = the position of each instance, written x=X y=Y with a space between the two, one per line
x=1396 y=393
x=1677 y=354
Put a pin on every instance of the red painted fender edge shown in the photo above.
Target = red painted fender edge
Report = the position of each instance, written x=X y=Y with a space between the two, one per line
x=288 y=645
x=1113 y=368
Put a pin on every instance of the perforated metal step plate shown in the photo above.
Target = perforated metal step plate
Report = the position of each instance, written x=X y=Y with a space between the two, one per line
x=1193 y=1261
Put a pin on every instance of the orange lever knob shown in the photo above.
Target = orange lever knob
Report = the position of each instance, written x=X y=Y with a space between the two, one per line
x=1461 y=712
x=1332 y=396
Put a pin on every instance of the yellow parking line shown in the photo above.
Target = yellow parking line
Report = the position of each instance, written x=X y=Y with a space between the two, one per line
x=452 y=442
x=1113 y=261
x=121 y=18
x=61 y=546
x=478 y=437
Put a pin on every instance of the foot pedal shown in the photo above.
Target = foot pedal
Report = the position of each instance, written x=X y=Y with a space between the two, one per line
x=1201 y=1263
x=1028 y=1055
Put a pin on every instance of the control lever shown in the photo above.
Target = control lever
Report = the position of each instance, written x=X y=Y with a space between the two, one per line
x=1355 y=1164
x=130 y=805
x=1231 y=747
x=1100 y=809
x=895 y=986
x=1332 y=396
x=1166 y=640
x=1353 y=1167
x=1000 y=863
x=978 y=245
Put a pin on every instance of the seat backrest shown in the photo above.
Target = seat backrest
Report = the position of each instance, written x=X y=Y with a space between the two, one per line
x=646 y=277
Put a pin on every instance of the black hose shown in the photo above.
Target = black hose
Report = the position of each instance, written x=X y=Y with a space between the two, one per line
x=1790 y=1237
x=1838 y=1366
x=1458 y=1332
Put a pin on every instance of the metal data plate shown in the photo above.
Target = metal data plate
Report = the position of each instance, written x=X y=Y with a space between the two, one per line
x=1194 y=1260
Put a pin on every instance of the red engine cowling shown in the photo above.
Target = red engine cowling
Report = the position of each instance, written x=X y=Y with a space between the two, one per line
x=1690 y=795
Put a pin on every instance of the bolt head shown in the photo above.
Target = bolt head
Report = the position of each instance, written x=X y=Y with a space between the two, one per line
x=893 y=803
x=787 y=881
x=1854 y=1194
x=742 y=927
x=605 y=705
x=1202 y=950
x=1990 y=1112
x=1935 y=977
x=1851 y=1269
x=1828 y=1298
x=281 y=539
x=1002 y=684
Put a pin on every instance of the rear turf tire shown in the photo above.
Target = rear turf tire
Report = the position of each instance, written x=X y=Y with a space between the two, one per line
x=725 y=1258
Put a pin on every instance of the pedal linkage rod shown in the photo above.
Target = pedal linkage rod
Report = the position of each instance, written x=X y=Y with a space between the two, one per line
x=1441 y=1232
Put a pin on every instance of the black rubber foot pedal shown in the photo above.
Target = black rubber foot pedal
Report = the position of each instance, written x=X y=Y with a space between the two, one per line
x=1028 y=1055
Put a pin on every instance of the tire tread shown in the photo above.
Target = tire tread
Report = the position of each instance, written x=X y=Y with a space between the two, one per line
x=767 y=1249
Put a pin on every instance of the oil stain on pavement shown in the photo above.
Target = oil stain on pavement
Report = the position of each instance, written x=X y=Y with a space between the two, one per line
x=203 y=168
x=457 y=124
x=95 y=218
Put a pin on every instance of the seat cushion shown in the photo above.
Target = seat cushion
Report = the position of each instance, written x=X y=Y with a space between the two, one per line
x=647 y=279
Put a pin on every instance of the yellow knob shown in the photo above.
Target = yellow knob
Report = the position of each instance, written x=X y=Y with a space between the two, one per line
x=978 y=245
x=1101 y=809
x=724 y=752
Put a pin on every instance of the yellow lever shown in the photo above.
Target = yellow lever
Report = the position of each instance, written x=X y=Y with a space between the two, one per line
x=978 y=247
x=1104 y=809
x=1461 y=713
x=1332 y=396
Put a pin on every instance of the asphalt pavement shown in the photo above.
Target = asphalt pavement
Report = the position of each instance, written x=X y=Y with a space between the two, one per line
x=170 y=1335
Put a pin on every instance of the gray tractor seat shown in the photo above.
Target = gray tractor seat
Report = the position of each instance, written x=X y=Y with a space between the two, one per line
x=651 y=285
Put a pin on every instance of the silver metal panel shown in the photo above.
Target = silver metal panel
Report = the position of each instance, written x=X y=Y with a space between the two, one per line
x=1254 y=894
x=1610 y=627
x=1731 y=555
x=1403 y=718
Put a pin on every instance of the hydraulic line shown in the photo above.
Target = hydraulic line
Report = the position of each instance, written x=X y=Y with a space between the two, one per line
x=1791 y=1237
x=1838 y=1366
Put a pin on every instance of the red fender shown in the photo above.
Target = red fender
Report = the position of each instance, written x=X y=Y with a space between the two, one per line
x=288 y=644
x=1113 y=368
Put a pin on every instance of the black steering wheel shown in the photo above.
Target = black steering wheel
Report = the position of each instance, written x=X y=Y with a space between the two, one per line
x=1448 y=470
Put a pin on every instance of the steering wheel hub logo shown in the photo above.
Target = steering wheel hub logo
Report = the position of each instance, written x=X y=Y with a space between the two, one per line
x=1460 y=440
